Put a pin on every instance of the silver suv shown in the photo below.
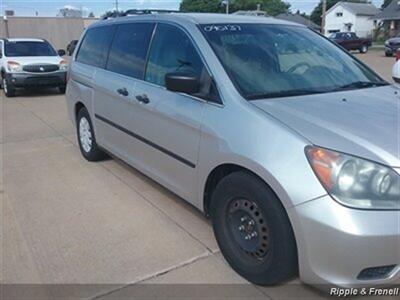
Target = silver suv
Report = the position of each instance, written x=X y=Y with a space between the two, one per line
x=288 y=143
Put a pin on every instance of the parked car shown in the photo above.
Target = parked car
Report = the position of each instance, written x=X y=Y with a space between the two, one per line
x=284 y=139
x=391 y=45
x=350 y=41
x=71 y=47
x=31 y=63
x=396 y=68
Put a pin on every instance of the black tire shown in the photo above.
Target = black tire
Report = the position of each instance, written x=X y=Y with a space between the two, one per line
x=92 y=153
x=388 y=54
x=62 y=89
x=275 y=259
x=364 y=49
x=9 y=89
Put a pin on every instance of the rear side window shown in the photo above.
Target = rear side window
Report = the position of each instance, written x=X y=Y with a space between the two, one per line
x=95 y=45
x=129 y=49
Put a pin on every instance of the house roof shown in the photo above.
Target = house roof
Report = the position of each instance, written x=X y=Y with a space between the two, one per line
x=363 y=9
x=296 y=18
x=390 y=12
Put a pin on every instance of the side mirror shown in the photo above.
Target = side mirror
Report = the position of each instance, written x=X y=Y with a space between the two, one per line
x=182 y=82
x=61 y=52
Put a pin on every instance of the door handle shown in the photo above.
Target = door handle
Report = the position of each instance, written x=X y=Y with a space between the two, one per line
x=143 y=98
x=123 y=92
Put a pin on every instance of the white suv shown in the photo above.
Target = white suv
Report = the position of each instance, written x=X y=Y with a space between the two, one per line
x=31 y=63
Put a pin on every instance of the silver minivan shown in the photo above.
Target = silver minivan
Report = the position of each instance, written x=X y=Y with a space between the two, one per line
x=285 y=140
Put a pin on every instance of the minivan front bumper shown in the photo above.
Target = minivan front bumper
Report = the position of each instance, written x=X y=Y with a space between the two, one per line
x=23 y=80
x=339 y=245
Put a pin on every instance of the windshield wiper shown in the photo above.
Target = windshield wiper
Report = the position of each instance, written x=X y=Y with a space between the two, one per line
x=360 y=85
x=290 y=93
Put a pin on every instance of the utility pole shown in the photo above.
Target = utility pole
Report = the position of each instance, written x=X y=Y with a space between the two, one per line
x=116 y=5
x=226 y=2
x=323 y=16
x=6 y=26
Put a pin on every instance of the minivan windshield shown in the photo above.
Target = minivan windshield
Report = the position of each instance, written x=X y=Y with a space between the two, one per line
x=266 y=61
x=26 y=48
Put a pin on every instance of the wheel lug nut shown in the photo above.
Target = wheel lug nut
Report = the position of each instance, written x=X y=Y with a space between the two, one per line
x=251 y=223
x=243 y=219
x=247 y=237
x=241 y=228
x=254 y=234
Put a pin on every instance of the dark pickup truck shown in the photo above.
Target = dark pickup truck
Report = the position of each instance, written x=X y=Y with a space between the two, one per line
x=350 y=41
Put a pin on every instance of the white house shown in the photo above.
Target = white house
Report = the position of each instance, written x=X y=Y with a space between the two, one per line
x=351 y=17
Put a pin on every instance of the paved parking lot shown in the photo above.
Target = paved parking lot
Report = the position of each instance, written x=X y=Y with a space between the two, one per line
x=65 y=220
x=377 y=60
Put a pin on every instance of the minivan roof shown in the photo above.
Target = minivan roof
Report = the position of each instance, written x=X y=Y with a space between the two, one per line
x=198 y=18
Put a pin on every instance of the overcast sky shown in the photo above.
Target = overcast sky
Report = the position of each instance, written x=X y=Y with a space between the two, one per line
x=51 y=7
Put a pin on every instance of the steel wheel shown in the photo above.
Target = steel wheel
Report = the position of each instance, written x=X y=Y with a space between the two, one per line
x=252 y=229
x=248 y=228
x=85 y=134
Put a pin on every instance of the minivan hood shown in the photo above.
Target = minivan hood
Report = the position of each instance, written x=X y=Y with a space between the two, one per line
x=27 y=60
x=364 y=122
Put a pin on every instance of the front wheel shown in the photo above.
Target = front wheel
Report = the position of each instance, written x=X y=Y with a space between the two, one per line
x=253 y=230
x=9 y=90
x=86 y=138
x=364 y=49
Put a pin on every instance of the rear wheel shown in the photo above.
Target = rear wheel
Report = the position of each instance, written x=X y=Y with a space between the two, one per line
x=253 y=230
x=388 y=54
x=364 y=49
x=86 y=138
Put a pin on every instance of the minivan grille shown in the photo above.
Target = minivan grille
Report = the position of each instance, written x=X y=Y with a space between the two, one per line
x=44 y=68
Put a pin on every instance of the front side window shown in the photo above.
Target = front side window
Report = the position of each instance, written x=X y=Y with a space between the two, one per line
x=94 y=47
x=22 y=49
x=266 y=61
x=171 y=51
x=129 y=49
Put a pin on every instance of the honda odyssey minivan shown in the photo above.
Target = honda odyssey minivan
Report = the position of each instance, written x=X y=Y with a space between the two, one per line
x=286 y=141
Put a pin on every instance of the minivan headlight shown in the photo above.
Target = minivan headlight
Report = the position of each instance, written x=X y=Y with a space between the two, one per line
x=354 y=181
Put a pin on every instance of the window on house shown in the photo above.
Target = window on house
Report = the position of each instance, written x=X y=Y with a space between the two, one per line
x=339 y=14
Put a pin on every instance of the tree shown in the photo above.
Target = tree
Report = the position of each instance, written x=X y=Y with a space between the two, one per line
x=212 y=6
x=91 y=15
x=70 y=12
x=272 y=7
x=112 y=14
x=316 y=15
